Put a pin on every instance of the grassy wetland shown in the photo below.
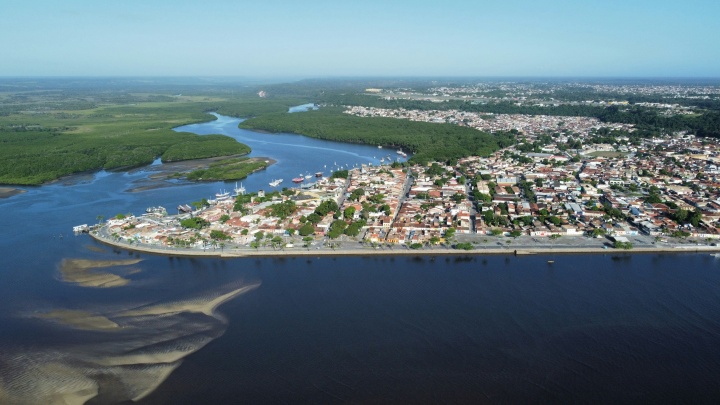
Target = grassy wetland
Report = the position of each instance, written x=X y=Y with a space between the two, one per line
x=49 y=130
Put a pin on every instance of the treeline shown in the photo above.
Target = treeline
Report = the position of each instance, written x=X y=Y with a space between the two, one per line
x=204 y=147
x=706 y=123
x=427 y=141
x=37 y=148
x=228 y=169
x=461 y=105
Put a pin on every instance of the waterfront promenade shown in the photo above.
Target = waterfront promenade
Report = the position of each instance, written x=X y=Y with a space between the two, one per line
x=497 y=246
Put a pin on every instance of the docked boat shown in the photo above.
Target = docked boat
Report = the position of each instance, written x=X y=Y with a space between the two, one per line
x=318 y=174
x=239 y=190
x=298 y=180
x=222 y=195
x=276 y=182
x=159 y=210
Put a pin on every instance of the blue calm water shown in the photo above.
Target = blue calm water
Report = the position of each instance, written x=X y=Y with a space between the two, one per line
x=469 y=329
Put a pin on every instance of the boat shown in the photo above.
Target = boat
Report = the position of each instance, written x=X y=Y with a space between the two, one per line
x=298 y=180
x=239 y=190
x=84 y=228
x=551 y=261
x=222 y=195
x=307 y=176
x=276 y=182
x=318 y=174
x=156 y=210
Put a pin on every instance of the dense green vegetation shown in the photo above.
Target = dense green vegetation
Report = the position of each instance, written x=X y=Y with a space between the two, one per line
x=425 y=140
x=204 y=147
x=706 y=123
x=49 y=133
x=228 y=169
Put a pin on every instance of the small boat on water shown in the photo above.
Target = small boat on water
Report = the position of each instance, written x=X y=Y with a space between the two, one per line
x=318 y=174
x=276 y=182
x=298 y=180
x=551 y=261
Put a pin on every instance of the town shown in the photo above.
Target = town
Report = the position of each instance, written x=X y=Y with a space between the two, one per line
x=573 y=178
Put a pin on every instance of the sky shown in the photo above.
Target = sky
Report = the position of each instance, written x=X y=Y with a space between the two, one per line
x=266 y=38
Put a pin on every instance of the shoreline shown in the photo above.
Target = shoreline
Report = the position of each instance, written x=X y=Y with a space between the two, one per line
x=7 y=192
x=398 y=251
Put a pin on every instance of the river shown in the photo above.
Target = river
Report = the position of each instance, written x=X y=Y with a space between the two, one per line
x=168 y=330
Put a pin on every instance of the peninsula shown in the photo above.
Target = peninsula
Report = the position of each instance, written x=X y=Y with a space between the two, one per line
x=642 y=195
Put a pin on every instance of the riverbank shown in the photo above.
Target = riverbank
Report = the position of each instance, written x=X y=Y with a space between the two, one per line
x=7 y=192
x=400 y=250
x=161 y=174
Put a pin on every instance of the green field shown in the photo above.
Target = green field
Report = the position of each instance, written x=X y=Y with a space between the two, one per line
x=52 y=133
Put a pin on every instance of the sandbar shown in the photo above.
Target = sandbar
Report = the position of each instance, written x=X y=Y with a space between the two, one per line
x=83 y=273
x=80 y=319
x=7 y=192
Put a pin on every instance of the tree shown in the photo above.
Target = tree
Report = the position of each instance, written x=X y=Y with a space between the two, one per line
x=623 y=245
x=515 y=233
x=349 y=212
x=353 y=229
x=306 y=230
x=277 y=242
x=306 y=242
x=219 y=235
x=450 y=233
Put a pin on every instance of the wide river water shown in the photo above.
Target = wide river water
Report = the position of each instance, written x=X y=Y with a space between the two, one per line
x=482 y=329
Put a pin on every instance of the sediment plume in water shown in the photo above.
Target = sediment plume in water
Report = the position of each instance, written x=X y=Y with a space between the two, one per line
x=137 y=350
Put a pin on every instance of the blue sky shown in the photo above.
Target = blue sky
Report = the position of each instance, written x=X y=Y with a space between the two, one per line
x=369 y=38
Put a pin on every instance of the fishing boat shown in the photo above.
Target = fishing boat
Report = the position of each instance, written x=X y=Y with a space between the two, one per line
x=276 y=182
x=318 y=174
x=307 y=176
x=298 y=180
x=222 y=195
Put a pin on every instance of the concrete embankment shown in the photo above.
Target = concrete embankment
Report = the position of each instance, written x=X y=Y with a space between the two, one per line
x=397 y=251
